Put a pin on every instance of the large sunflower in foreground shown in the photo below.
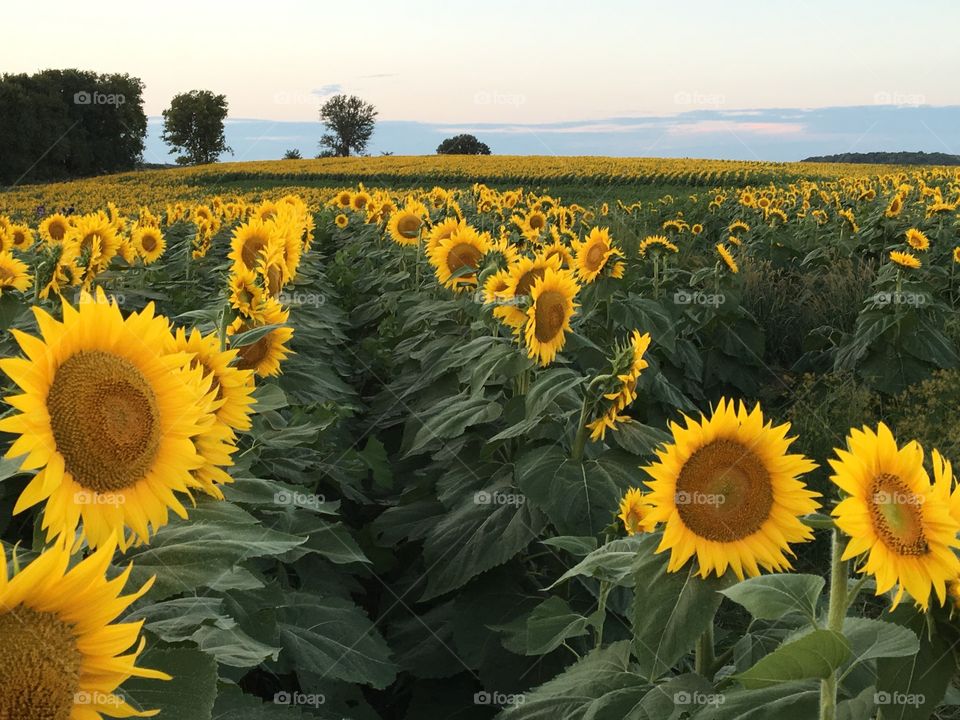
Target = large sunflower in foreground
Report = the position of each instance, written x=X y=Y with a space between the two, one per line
x=108 y=418
x=456 y=258
x=63 y=658
x=908 y=540
x=728 y=492
x=548 y=317
x=264 y=355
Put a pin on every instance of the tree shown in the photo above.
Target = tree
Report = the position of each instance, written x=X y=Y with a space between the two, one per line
x=193 y=126
x=292 y=155
x=58 y=124
x=349 y=122
x=462 y=145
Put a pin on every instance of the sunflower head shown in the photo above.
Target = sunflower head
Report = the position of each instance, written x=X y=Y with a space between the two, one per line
x=265 y=354
x=905 y=259
x=729 y=492
x=548 y=316
x=917 y=240
x=456 y=259
x=634 y=511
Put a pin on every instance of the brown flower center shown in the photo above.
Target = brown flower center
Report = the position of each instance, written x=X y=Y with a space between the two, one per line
x=897 y=515
x=549 y=315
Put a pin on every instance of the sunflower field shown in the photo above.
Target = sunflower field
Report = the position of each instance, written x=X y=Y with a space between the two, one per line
x=409 y=438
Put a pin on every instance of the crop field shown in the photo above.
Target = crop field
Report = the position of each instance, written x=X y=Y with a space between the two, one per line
x=476 y=437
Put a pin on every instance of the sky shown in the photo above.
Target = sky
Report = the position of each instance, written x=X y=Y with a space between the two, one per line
x=531 y=66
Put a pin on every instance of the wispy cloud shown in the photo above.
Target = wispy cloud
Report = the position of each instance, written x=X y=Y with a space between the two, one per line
x=708 y=127
x=331 y=89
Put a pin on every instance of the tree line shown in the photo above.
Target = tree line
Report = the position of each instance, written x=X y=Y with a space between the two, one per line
x=60 y=124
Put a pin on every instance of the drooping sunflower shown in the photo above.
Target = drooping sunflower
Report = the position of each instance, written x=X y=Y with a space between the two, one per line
x=272 y=268
x=548 y=317
x=592 y=254
x=14 y=273
x=456 y=258
x=405 y=225
x=149 y=244
x=249 y=240
x=628 y=363
x=729 y=493
x=634 y=511
x=656 y=241
x=63 y=656
x=108 y=419
x=727 y=258
x=905 y=259
x=917 y=240
x=265 y=354
x=54 y=228
x=891 y=516
x=738 y=226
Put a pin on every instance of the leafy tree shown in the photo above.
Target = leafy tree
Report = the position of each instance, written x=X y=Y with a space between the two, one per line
x=292 y=155
x=463 y=145
x=193 y=126
x=349 y=122
x=58 y=124
x=889 y=158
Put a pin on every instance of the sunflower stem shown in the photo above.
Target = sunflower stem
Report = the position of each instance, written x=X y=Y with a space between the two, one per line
x=704 y=659
x=605 y=588
x=580 y=441
x=836 y=612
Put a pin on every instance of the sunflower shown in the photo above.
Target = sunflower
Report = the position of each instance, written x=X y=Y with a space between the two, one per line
x=656 y=241
x=905 y=259
x=249 y=240
x=273 y=269
x=343 y=198
x=738 y=226
x=265 y=354
x=633 y=512
x=19 y=237
x=909 y=541
x=460 y=252
x=405 y=225
x=341 y=221
x=727 y=258
x=522 y=275
x=108 y=418
x=148 y=243
x=246 y=294
x=593 y=253
x=63 y=657
x=13 y=273
x=895 y=206
x=956 y=254
x=559 y=250
x=627 y=366
x=532 y=224
x=728 y=492
x=96 y=242
x=360 y=200
x=442 y=230
x=548 y=317
x=917 y=240
x=54 y=228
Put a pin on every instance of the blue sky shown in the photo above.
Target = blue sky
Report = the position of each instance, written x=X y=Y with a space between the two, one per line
x=625 y=75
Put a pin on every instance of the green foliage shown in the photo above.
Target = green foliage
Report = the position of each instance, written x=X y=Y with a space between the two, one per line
x=462 y=145
x=193 y=127
x=350 y=122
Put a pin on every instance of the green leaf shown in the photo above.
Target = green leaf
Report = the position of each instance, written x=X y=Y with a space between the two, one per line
x=814 y=655
x=545 y=628
x=574 y=545
x=800 y=700
x=232 y=646
x=335 y=635
x=637 y=438
x=177 y=620
x=770 y=597
x=548 y=387
x=269 y=396
x=670 y=611
x=450 y=418
x=614 y=561
x=249 y=337
x=870 y=639
x=233 y=704
x=188 y=696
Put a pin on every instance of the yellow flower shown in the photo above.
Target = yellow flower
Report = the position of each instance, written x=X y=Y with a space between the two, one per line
x=265 y=354
x=63 y=656
x=592 y=254
x=19 y=237
x=905 y=259
x=729 y=493
x=634 y=509
x=405 y=225
x=461 y=251
x=727 y=258
x=548 y=317
x=628 y=364
x=892 y=514
x=917 y=240
x=14 y=273
x=54 y=228
x=341 y=220
x=149 y=243
x=656 y=241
